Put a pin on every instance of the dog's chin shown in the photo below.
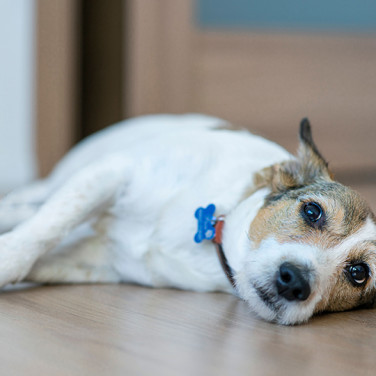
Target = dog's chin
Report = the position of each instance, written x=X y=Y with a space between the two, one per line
x=270 y=307
x=256 y=282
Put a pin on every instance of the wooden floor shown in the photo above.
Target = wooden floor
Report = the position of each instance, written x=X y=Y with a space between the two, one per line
x=131 y=330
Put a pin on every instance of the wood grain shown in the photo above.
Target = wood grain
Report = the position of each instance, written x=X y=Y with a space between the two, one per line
x=131 y=330
x=158 y=56
x=264 y=81
x=268 y=82
x=56 y=81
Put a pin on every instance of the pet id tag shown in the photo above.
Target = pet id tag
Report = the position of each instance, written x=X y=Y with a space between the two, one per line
x=205 y=223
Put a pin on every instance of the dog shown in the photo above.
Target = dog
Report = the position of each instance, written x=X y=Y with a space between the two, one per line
x=123 y=205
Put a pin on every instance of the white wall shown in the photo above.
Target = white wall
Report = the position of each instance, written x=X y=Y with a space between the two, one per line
x=17 y=143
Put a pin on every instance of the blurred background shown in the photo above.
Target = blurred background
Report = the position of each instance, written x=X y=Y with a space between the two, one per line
x=71 y=67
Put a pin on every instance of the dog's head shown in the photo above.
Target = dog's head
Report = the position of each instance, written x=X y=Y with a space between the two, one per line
x=313 y=242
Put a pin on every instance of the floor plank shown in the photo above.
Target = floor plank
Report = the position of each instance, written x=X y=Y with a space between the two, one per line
x=131 y=330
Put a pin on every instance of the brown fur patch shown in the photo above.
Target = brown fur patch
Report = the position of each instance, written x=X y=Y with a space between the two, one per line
x=261 y=179
x=343 y=295
x=281 y=216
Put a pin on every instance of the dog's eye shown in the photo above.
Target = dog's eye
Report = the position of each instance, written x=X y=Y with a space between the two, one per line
x=312 y=211
x=358 y=274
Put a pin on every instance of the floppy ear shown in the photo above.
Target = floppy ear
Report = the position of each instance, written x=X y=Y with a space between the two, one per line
x=308 y=167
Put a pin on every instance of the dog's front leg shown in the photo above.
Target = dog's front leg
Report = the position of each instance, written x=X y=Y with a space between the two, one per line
x=91 y=190
x=22 y=203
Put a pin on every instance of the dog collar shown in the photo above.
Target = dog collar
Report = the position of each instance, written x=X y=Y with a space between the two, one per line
x=210 y=227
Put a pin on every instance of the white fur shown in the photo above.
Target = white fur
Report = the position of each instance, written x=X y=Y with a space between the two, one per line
x=120 y=207
x=166 y=166
x=260 y=267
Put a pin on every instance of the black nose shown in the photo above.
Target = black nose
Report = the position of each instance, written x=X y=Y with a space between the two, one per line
x=291 y=282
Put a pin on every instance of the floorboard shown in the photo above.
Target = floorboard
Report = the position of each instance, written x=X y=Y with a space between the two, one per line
x=131 y=330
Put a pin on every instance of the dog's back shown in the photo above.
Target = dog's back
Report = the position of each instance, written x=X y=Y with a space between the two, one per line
x=126 y=134
x=136 y=136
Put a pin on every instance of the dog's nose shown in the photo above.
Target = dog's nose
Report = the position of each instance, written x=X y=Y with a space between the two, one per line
x=291 y=282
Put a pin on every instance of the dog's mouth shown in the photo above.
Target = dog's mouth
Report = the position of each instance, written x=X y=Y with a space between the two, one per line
x=268 y=297
x=276 y=308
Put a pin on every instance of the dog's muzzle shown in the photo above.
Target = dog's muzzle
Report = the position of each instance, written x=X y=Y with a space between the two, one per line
x=293 y=282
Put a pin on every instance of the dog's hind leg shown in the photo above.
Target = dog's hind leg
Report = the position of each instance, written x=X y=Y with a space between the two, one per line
x=84 y=260
x=21 y=203
x=90 y=191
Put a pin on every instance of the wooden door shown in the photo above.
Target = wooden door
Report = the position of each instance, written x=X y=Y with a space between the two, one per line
x=79 y=67
x=57 y=79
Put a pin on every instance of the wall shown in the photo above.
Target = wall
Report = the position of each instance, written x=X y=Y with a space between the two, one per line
x=334 y=15
x=17 y=143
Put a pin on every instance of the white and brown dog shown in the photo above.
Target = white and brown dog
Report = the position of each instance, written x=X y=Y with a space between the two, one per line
x=120 y=208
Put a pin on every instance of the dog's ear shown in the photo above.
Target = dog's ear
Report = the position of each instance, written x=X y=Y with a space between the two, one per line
x=309 y=157
x=308 y=167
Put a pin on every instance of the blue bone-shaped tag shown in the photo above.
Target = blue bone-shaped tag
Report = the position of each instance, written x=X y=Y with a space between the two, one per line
x=205 y=223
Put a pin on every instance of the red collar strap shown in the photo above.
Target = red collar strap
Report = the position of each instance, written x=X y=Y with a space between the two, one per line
x=217 y=240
